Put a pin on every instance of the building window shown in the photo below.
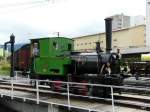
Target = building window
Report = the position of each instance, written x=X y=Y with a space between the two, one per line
x=85 y=43
x=115 y=40
x=119 y=19
x=119 y=27
x=119 y=23
x=81 y=43
x=114 y=46
x=89 y=42
x=132 y=46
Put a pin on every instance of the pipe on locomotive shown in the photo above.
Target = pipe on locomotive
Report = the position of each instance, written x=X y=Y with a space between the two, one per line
x=108 y=28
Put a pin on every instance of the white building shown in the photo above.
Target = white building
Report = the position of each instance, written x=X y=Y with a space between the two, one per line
x=148 y=23
x=120 y=21
x=138 y=20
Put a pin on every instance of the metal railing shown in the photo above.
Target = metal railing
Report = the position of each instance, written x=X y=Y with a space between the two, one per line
x=68 y=94
x=37 y=90
x=17 y=73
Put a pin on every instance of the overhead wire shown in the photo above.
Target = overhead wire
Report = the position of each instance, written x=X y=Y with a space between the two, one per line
x=22 y=6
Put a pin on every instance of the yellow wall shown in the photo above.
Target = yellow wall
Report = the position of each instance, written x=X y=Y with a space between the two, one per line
x=125 y=38
x=86 y=42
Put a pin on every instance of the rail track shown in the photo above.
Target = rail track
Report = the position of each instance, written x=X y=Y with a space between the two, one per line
x=133 y=102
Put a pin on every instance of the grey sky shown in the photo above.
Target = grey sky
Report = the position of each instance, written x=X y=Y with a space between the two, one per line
x=39 y=18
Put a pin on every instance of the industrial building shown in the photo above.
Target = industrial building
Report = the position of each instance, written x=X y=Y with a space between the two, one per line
x=132 y=37
x=129 y=32
x=120 y=21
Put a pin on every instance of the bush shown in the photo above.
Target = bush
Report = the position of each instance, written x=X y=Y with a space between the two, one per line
x=5 y=67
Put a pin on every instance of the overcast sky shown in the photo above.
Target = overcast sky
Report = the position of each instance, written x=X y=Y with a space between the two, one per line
x=40 y=18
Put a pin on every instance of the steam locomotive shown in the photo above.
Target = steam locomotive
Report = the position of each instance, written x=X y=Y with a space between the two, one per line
x=53 y=59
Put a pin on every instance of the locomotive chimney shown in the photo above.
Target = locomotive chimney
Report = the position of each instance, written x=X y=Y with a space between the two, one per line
x=108 y=27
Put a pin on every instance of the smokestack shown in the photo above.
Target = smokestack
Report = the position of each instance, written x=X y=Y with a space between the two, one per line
x=108 y=27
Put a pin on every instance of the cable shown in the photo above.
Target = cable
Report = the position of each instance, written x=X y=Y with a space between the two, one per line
x=22 y=4
x=21 y=8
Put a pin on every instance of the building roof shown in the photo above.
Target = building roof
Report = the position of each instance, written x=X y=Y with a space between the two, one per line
x=119 y=15
x=128 y=28
x=50 y=38
x=135 y=50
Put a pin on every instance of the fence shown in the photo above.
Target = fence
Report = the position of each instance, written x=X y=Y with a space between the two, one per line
x=69 y=94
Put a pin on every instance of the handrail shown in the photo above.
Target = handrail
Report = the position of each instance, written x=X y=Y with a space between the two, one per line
x=38 y=100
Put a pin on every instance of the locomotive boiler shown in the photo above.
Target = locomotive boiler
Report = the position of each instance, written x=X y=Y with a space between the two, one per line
x=96 y=62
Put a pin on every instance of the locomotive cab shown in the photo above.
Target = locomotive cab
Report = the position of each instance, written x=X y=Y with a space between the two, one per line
x=50 y=56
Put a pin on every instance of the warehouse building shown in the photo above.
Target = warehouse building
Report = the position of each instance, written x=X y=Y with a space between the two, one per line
x=133 y=37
